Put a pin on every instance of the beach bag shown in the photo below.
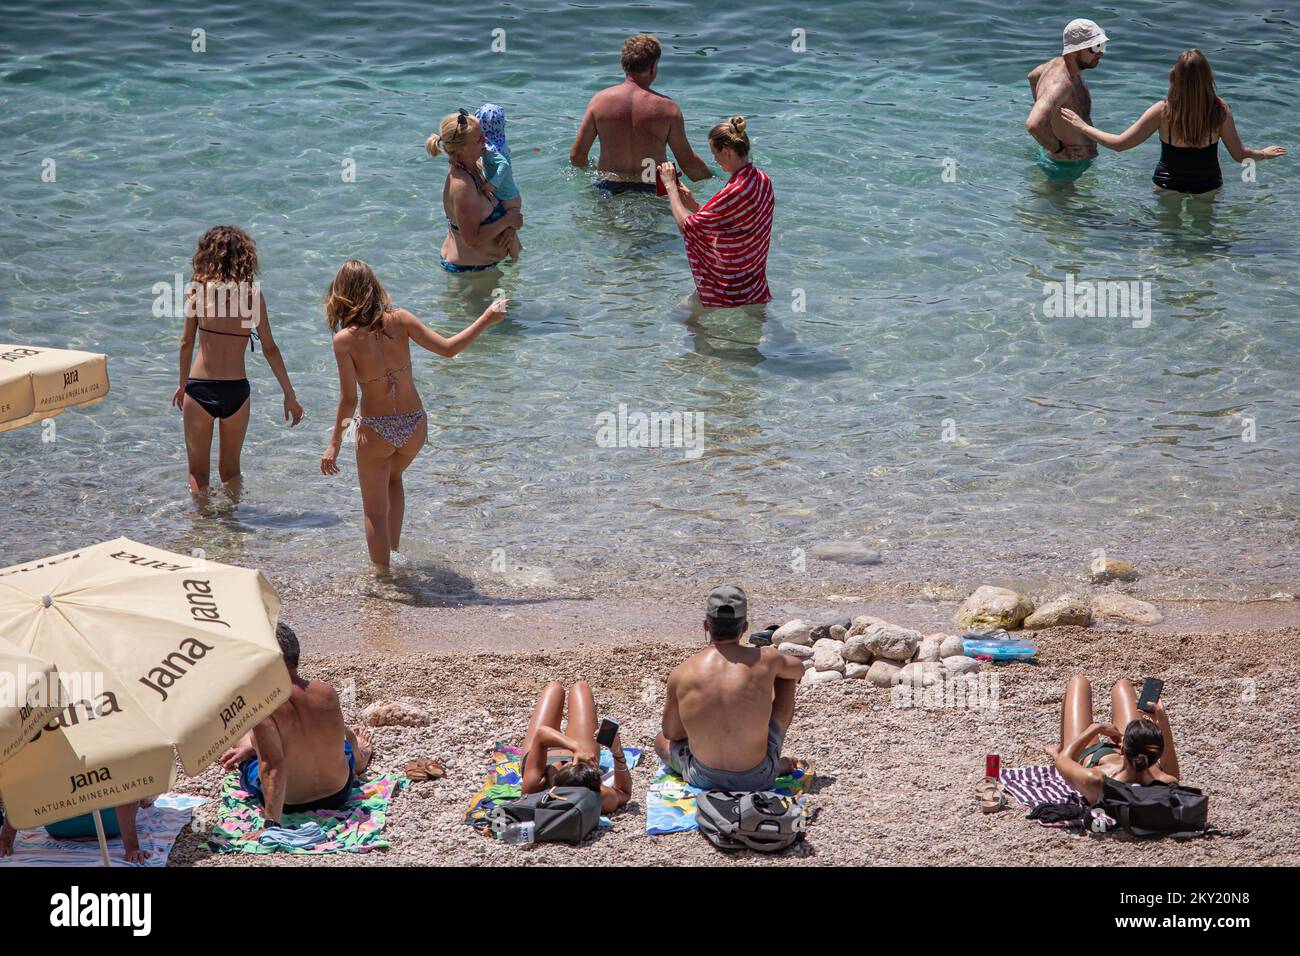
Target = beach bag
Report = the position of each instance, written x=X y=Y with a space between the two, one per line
x=764 y=821
x=558 y=815
x=1155 y=809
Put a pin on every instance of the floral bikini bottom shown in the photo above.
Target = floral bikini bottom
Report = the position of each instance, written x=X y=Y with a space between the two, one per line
x=394 y=429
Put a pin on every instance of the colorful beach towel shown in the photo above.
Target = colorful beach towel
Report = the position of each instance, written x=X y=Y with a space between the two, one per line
x=505 y=780
x=1035 y=785
x=670 y=803
x=356 y=827
x=156 y=828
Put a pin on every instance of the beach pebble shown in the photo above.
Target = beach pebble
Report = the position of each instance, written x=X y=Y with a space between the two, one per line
x=797 y=631
x=396 y=713
x=839 y=632
x=881 y=673
x=814 y=676
x=795 y=650
x=929 y=649
x=955 y=666
x=826 y=656
x=951 y=646
x=920 y=674
x=1064 y=610
x=807 y=663
x=844 y=552
x=856 y=651
x=1110 y=606
x=990 y=608
x=856 y=671
x=1104 y=569
x=892 y=642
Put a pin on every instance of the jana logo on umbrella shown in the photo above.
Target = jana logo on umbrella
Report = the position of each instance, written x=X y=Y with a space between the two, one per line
x=186 y=660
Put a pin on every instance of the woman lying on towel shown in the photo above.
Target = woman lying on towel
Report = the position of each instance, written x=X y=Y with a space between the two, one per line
x=1143 y=754
x=571 y=758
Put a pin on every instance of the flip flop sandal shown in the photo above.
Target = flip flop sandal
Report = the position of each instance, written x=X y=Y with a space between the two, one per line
x=420 y=770
x=991 y=795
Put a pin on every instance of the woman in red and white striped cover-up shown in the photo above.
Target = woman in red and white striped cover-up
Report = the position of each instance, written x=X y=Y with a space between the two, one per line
x=727 y=238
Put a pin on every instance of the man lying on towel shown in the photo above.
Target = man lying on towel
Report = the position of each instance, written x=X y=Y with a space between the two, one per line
x=729 y=706
x=302 y=757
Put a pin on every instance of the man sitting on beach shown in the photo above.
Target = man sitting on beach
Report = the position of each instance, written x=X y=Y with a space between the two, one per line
x=1064 y=152
x=729 y=706
x=302 y=757
x=634 y=123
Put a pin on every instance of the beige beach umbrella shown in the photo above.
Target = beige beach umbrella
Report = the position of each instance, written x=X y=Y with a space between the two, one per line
x=29 y=693
x=170 y=654
x=37 y=383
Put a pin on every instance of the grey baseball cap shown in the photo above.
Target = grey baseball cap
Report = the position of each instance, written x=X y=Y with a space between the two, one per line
x=727 y=600
x=1081 y=35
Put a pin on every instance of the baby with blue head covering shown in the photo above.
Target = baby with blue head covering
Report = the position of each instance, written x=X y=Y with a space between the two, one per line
x=496 y=162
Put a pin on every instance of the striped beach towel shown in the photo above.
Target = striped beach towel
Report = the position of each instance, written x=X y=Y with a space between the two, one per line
x=727 y=241
x=156 y=828
x=1035 y=785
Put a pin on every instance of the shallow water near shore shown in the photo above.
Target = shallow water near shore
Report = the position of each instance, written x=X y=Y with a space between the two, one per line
x=922 y=402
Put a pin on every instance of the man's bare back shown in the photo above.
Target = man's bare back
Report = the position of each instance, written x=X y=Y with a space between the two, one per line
x=725 y=697
x=1054 y=87
x=311 y=732
x=635 y=125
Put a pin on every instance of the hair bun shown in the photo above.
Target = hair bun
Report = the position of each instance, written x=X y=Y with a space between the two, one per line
x=738 y=124
x=433 y=145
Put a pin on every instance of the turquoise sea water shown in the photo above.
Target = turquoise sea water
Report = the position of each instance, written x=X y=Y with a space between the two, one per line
x=924 y=316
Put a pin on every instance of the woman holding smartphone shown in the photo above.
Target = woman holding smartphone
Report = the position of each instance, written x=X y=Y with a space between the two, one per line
x=571 y=758
x=1089 y=752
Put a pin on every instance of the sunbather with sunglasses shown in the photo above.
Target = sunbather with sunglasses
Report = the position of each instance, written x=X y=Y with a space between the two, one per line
x=571 y=758
x=1089 y=751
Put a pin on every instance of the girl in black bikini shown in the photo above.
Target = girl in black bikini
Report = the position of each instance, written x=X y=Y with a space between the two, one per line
x=1191 y=120
x=224 y=309
x=1088 y=751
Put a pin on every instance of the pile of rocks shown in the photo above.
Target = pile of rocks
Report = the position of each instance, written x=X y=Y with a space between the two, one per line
x=867 y=648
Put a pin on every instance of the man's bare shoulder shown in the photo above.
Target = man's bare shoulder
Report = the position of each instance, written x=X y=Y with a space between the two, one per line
x=321 y=694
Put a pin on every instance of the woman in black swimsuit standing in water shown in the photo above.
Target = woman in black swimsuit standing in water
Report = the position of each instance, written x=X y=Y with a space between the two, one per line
x=372 y=347
x=1191 y=120
x=224 y=308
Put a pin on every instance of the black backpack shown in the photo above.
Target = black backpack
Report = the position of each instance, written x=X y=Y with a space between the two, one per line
x=764 y=821
x=558 y=815
x=1155 y=809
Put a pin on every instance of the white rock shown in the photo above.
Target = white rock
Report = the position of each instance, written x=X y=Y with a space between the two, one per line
x=881 y=673
x=1067 y=610
x=814 y=676
x=864 y=621
x=1120 y=607
x=920 y=674
x=797 y=631
x=839 y=632
x=845 y=552
x=952 y=646
x=795 y=650
x=955 y=666
x=838 y=646
x=856 y=650
x=990 y=608
x=892 y=642
x=396 y=713
x=856 y=671
x=929 y=649
x=826 y=656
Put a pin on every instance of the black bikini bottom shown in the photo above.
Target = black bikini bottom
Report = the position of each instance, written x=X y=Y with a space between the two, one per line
x=220 y=398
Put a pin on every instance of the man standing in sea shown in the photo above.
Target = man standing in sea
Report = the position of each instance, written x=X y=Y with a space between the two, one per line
x=1064 y=152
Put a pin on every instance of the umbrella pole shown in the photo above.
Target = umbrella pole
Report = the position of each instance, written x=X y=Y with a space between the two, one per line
x=99 y=832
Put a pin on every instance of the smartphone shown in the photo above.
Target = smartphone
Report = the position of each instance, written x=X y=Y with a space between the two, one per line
x=605 y=736
x=992 y=766
x=660 y=188
x=1151 y=689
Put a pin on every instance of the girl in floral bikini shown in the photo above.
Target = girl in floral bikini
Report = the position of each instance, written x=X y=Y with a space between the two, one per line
x=372 y=348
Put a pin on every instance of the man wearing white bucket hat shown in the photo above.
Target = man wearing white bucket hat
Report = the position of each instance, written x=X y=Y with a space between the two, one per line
x=1063 y=152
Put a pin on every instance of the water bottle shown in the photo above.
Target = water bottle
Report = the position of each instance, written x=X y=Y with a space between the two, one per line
x=519 y=832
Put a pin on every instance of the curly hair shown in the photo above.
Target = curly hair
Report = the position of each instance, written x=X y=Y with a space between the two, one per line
x=225 y=254
x=639 y=54
x=356 y=299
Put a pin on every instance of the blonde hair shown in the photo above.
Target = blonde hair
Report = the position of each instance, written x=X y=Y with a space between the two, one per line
x=455 y=132
x=356 y=299
x=730 y=134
